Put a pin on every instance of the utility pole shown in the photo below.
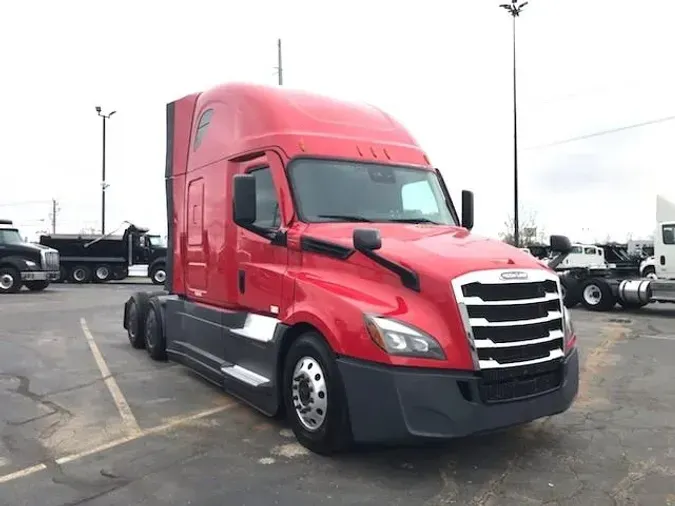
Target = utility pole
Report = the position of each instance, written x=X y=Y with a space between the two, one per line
x=514 y=9
x=279 y=67
x=55 y=210
x=103 y=183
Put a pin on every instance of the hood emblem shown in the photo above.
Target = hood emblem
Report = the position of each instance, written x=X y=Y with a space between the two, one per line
x=513 y=275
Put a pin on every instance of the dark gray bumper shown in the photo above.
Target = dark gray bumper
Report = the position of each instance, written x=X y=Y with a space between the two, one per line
x=389 y=404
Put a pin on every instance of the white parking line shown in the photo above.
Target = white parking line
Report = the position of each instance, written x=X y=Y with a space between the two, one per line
x=128 y=418
x=662 y=337
x=27 y=471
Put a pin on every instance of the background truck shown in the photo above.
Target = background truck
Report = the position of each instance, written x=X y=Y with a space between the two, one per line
x=93 y=258
x=23 y=263
x=600 y=289
x=318 y=268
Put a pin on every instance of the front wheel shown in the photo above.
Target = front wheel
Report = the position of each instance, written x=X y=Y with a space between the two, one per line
x=10 y=280
x=158 y=274
x=314 y=396
x=649 y=272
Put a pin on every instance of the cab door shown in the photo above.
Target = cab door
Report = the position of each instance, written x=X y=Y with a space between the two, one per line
x=262 y=262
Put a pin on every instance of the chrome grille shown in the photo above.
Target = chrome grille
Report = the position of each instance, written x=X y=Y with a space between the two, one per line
x=50 y=260
x=514 y=324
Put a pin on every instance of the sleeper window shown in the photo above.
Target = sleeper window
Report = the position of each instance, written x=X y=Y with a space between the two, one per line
x=203 y=125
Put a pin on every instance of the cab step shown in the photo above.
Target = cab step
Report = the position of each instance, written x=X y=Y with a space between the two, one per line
x=245 y=376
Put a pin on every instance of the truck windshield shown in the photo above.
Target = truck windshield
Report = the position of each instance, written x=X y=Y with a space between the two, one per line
x=10 y=236
x=156 y=241
x=331 y=190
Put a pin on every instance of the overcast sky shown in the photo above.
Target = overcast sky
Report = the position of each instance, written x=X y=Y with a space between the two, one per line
x=445 y=72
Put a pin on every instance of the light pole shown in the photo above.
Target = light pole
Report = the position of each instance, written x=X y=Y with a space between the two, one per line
x=514 y=9
x=103 y=183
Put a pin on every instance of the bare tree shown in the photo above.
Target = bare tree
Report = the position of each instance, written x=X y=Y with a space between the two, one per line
x=529 y=230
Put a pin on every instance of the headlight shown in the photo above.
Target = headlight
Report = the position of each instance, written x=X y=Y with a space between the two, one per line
x=30 y=264
x=397 y=338
x=568 y=329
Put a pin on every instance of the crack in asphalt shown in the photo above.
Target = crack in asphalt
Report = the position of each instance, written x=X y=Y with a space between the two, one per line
x=24 y=390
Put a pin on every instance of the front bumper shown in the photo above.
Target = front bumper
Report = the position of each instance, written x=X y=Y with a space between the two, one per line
x=40 y=275
x=388 y=404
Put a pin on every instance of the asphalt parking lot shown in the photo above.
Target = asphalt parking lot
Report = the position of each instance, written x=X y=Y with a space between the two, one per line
x=86 y=419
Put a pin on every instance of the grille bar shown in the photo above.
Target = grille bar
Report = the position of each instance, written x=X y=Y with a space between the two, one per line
x=514 y=322
x=477 y=301
x=482 y=322
x=489 y=343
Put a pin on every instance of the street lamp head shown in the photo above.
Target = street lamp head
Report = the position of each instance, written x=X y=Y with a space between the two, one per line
x=98 y=109
x=112 y=113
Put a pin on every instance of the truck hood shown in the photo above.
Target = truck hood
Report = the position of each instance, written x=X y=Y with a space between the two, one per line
x=28 y=247
x=432 y=249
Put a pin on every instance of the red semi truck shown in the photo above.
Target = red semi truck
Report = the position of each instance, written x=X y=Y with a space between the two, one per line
x=318 y=268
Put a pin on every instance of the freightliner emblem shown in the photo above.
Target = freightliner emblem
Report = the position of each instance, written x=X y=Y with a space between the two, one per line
x=511 y=275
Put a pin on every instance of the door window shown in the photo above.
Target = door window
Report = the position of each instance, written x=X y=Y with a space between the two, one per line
x=267 y=203
x=668 y=233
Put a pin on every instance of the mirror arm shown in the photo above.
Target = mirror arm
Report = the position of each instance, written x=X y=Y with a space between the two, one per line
x=409 y=278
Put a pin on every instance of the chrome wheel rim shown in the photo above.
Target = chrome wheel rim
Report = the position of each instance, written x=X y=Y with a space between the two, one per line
x=160 y=276
x=592 y=295
x=6 y=281
x=102 y=273
x=310 y=396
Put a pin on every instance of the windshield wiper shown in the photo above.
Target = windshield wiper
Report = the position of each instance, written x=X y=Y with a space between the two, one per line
x=413 y=220
x=344 y=217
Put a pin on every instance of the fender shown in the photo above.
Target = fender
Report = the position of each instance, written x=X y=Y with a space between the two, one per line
x=157 y=261
x=321 y=321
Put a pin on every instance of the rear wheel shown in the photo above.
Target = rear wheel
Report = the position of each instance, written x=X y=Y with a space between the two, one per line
x=36 y=286
x=135 y=313
x=10 y=280
x=102 y=273
x=80 y=274
x=596 y=295
x=155 y=339
x=314 y=396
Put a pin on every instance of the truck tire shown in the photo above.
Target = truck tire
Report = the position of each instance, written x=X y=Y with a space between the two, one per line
x=80 y=274
x=596 y=295
x=102 y=273
x=155 y=339
x=134 y=319
x=571 y=291
x=649 y=272
x=36 y=286
x=314 y=396
x=158 y=274
x=10 y=280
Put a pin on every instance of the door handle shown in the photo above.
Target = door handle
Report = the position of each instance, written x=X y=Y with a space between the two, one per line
x=662 y=260
x=242 y=281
